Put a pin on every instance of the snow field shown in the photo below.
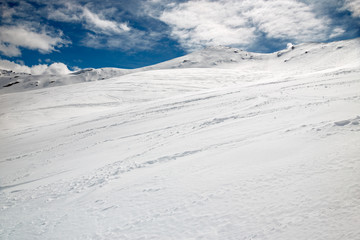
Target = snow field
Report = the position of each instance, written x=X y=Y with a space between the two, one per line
x=208 y=153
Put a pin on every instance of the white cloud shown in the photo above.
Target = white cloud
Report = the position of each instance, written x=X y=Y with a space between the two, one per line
x=239 y=23
x=198 y=23
x=128 y=41
x=57 y=68
x=96 y=22
x=336 y=32
x=104 y=33
x=67 y=12
x=13 y=37
x=353 y=6
x=9 y=49
x=288 y=20
x=38 y=69
x=93 y=21
x=12 y=11
x=6 y=12
x=8 y=65
x=53 y=69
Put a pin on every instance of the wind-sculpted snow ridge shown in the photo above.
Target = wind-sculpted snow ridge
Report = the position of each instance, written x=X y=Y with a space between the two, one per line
x=189 y=153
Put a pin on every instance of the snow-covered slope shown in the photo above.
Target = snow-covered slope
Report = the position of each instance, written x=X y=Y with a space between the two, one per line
x=297 y=59
x=189 y=153
x=320 y=55
x=16 y=82
x=218 y=56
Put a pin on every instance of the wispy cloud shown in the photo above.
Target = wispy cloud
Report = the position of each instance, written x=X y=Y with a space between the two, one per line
x=96 y=22
x=199 y=23
x=21 y=28
x=105 y=29
x=288 y=20
x=63 y=12
x=353 y=6
x=239 y=23
x=9 y=50
x=14 y=37
x=131 y=41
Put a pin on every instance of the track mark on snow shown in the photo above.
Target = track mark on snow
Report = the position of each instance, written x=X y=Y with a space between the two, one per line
x=342 y=123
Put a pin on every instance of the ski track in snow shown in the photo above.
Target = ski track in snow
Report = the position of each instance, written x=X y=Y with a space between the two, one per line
x=185 y=154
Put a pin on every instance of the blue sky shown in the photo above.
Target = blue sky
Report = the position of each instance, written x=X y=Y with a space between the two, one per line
x=129 y=34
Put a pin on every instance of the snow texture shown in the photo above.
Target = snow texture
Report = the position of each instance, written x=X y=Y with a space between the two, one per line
x=218 y=144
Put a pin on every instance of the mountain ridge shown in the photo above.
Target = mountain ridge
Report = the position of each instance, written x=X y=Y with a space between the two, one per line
x=306 y=57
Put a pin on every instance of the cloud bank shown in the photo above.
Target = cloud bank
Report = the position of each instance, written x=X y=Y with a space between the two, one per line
x=53 y=69
x=239 y=23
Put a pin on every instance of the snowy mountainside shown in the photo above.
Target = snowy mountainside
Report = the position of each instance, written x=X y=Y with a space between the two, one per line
x=297 y=58
x=217 y=56
x=322 y=56
x=242 y=151
x=92 y=74
x=14 y=82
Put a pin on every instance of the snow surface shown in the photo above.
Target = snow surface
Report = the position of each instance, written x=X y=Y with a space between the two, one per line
x=254 y=148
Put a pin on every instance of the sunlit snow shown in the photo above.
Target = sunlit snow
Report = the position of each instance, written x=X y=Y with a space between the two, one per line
x=218 y=144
